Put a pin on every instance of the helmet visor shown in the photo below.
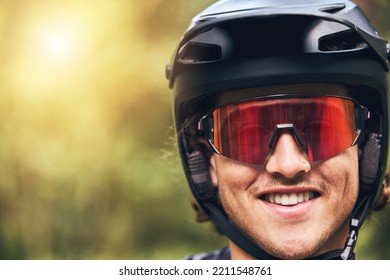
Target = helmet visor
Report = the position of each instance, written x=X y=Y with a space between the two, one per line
x=323 y=126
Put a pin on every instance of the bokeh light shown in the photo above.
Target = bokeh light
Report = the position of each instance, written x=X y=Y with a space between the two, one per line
x=59 y=43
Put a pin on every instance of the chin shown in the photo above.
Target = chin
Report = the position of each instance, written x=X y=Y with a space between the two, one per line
x=292 y=249
x=291 y=253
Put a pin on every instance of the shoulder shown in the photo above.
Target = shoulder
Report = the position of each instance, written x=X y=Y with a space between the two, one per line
x=220 y=254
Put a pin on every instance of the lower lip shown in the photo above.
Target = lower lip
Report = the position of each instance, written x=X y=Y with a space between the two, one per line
x=291 y=211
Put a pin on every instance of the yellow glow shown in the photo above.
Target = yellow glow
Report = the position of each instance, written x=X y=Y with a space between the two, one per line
x=57 y=40
x=52 y=50
x=58 y=44
x=63 y=48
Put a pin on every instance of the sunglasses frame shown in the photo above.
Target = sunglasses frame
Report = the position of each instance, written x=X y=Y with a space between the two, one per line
x=206 y=123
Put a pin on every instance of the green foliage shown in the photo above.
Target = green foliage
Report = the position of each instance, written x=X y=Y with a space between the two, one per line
x=89 y=168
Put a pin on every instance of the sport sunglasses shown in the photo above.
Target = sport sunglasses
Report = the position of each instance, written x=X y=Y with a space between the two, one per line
x=247 y=131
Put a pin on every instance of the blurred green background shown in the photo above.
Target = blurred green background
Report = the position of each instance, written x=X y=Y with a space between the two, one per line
x=88 y=163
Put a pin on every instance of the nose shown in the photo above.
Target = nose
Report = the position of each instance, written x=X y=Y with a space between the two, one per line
x=287 y=159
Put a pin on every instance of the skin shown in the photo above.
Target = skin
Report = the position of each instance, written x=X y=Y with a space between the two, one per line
x=304 y=230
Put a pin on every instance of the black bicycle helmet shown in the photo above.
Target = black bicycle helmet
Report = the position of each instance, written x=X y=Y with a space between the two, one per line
x=237 y=44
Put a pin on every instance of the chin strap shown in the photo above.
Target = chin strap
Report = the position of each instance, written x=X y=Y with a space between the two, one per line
x=358 y=217
x=334 y=255
x=351 y=241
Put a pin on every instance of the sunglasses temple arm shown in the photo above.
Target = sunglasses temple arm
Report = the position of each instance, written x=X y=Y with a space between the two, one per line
x=365 y=115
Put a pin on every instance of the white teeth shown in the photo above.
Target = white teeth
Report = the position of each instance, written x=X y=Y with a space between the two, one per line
x=293 y=198
x=285 y=199
x=289 y=198
x=271 y=197
x=301 y=196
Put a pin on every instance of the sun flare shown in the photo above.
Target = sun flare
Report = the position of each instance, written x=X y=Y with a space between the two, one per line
x=58 y=41
x=58 y=44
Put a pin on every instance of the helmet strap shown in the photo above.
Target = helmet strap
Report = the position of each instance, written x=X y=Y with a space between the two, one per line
x=358 y=217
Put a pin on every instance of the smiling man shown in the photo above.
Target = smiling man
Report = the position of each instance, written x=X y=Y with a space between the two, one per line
x=282 y=118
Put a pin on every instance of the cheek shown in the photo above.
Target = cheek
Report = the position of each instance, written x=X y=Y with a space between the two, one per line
x=342 y=172
x=233 y=180
x=225 y=172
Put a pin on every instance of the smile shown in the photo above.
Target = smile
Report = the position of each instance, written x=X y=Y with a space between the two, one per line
x=289 y=199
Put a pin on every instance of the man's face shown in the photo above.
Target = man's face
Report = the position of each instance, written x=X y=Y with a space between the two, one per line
x=289 y=206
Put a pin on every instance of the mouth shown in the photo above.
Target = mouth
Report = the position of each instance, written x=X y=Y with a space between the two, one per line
x=289 y=199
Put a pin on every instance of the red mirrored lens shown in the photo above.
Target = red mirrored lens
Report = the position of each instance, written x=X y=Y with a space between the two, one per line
x=326 y=126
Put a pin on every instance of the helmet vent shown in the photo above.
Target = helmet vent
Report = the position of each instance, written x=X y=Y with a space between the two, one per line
x=195 y=52
x=342 y=41
x=332 y=9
